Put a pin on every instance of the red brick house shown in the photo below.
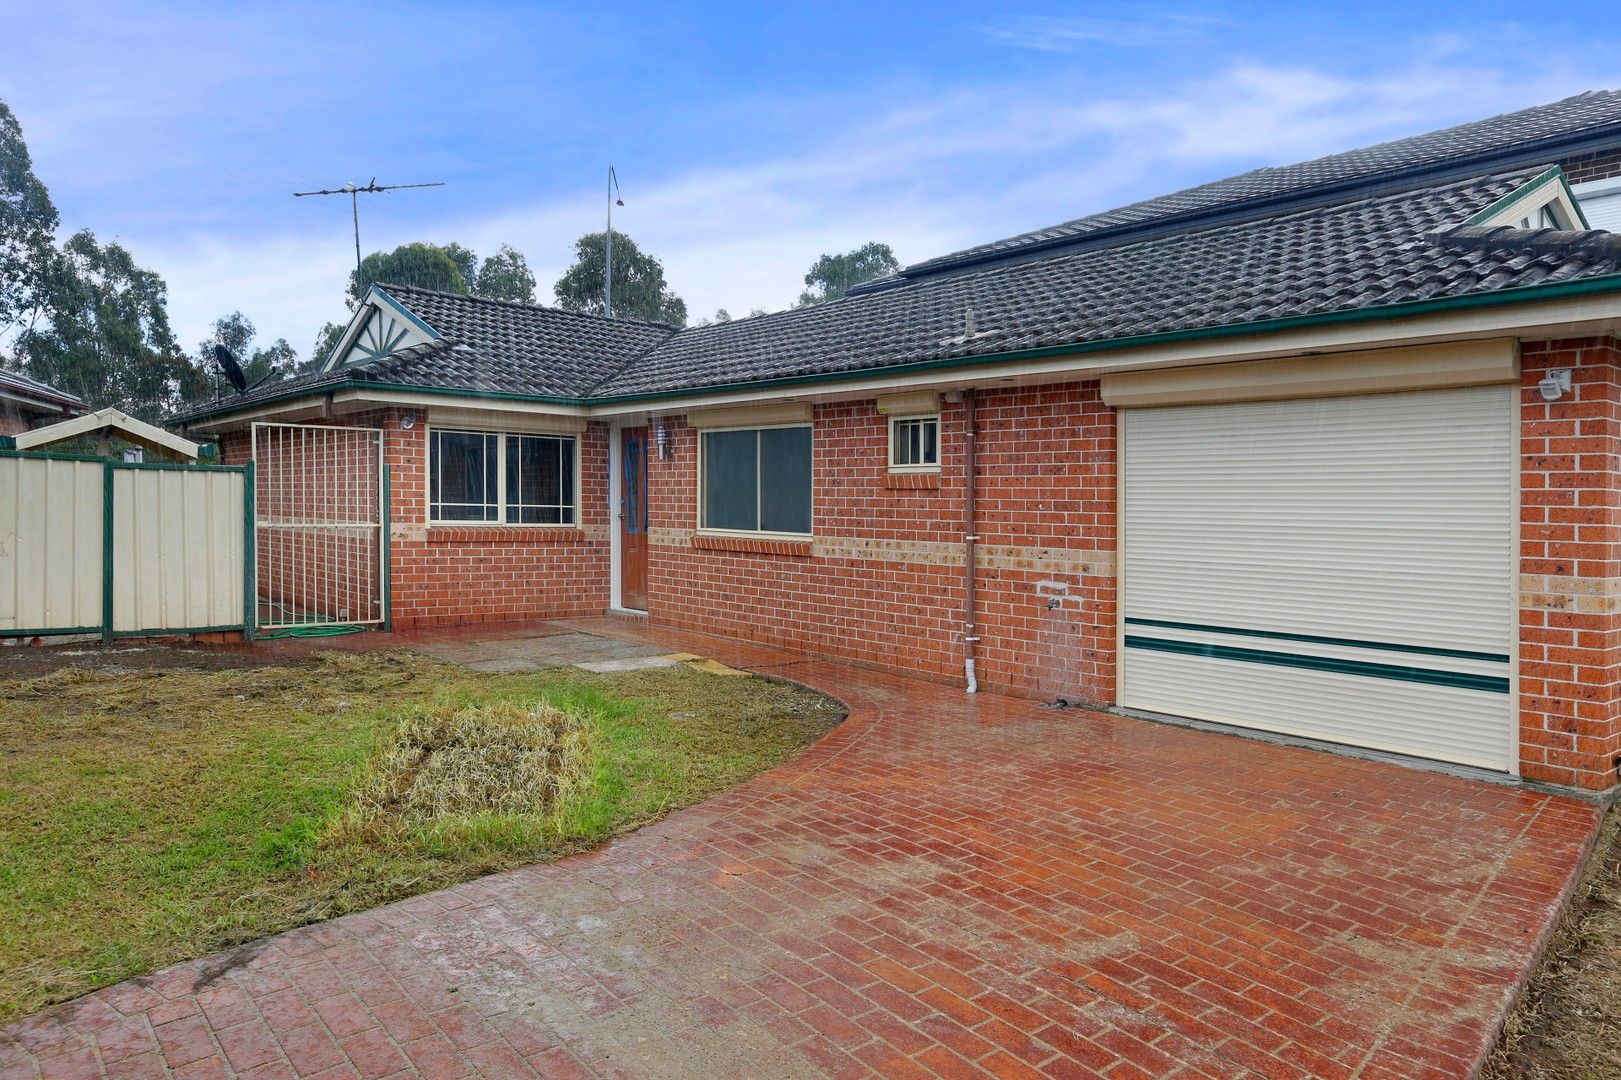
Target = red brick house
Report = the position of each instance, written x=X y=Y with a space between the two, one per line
x=1331 y=451
x=27 y=403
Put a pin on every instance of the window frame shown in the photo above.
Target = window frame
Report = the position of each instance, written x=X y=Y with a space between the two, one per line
x=430 y=435
x=889 y=452
x=703 y=483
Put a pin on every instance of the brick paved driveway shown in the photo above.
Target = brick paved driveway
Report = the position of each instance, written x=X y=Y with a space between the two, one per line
x=942 y=887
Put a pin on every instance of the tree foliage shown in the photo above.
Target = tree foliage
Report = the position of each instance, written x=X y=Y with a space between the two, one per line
x=427 y=266
x=831 y=276
x=639 y=288
x=269 y=363
x=452 y=268
x=505 y=276
x=27 y=226
x=103 y=332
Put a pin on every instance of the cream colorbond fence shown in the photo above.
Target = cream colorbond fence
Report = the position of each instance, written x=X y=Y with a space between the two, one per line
x=123 y=549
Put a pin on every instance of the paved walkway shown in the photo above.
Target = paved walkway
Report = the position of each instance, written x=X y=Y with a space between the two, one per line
x=943 y=887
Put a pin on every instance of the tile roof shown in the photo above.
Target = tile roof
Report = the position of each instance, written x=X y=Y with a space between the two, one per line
x=1367 y=253
x=524 y=348
x=1159 y=270
x=1525 y=133
x=495 y=346
x=18 y=383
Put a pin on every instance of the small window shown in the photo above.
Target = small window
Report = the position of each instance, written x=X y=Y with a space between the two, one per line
x=463 y=477
x=757 y=480
x=914 y=442
x=476 y=476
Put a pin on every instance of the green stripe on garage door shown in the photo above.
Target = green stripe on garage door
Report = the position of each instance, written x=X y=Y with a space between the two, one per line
x=1488 y=683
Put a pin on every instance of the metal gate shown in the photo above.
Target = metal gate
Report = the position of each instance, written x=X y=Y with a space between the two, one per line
x=321 y=540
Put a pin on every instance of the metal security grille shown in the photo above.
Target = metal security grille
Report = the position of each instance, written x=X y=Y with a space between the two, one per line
x=321 y=549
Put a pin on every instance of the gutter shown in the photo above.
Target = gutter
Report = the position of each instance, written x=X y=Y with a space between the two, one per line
x=1525 y=294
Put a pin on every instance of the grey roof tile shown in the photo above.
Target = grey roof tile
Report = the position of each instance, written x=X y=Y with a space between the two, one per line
x=28 y=386
x=1516 y=131
x=1367 y=253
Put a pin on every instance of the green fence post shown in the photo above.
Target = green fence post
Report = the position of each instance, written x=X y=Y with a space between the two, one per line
x=107 y=474
x=388 y=560
x=250 y=594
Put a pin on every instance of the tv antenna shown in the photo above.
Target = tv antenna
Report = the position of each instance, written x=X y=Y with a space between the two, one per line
x=354 y=192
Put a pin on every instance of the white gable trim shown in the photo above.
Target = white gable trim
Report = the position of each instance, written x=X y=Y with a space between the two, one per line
x=137 y=431
x=376 y=302
x=1529 y=198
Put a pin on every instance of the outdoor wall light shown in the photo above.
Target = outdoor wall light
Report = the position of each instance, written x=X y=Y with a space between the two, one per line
x=408 y=421
x=662 y=437
x=1555 y=384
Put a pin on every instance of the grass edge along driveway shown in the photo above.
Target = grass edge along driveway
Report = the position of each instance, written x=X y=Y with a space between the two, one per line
x=152 y=816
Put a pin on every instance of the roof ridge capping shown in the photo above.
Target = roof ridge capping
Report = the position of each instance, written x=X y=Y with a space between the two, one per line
x=1594 y=243
x=1473 y=143
x=529 y=305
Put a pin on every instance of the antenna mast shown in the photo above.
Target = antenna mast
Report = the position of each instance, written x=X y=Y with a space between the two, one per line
x=354 y=192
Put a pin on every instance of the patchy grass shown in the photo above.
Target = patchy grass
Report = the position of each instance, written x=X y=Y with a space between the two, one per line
x=150 y=816
x=1567 y=1025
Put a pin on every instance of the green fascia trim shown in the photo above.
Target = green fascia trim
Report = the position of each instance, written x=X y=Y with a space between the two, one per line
x=1401 y=673
x=1528 y=189
x=1315 y=639
x=48 y=631
x=1525 y=294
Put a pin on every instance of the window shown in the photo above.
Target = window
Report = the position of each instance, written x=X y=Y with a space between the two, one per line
x=914 y=442
x=757 y=480
x=500 y=479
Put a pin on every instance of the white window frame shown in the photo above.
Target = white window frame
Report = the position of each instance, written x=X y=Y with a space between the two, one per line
x=889 y=452
x=501 y=435
x=703 y=499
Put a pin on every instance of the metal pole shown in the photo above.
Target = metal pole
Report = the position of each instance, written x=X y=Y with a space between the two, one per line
x=354 y=206
x=608 y=258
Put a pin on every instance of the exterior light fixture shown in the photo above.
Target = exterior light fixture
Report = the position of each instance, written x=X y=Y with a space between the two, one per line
x=408 y=421
x=1555 y=384
x=662 y=437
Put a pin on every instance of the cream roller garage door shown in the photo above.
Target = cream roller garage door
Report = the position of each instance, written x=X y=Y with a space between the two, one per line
x=1335 y=568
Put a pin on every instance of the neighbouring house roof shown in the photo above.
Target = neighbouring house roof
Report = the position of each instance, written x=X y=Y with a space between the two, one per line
x=135 y=431
x=1518 y=138
x=16 y=384
x=1362 y=232
x=1363 y=254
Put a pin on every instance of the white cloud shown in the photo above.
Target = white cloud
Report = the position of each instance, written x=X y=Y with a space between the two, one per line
x=1148 y=29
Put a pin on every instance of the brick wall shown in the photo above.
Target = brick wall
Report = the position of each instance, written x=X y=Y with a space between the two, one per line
x=445 y=575
x=1570 y=607
x=882 y=580
x=12 y=422
x=1599 y=166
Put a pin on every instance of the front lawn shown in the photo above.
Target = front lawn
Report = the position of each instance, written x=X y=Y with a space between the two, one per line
x=151 y=816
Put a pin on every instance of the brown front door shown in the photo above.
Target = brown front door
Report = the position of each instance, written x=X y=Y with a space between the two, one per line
x=633 y=520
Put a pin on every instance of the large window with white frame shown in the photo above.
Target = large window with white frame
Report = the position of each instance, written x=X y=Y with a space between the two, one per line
x=755 y=480
x=914 y=443
x=500 y=478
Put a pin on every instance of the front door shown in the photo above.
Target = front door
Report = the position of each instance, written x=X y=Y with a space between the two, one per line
x=633 y=520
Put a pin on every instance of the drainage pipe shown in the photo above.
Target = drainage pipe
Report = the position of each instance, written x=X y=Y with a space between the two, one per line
x=970 y=636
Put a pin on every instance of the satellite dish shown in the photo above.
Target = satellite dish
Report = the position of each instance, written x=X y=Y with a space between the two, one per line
x=232 y=369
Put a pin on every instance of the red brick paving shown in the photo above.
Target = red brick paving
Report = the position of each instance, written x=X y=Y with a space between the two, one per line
x=943 y=887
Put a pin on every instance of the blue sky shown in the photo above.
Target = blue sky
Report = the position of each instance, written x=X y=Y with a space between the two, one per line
x=749 y=138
